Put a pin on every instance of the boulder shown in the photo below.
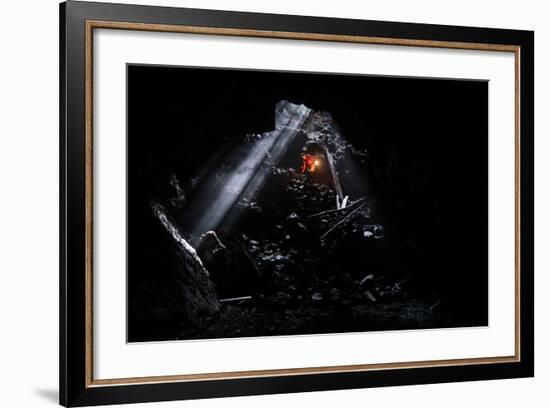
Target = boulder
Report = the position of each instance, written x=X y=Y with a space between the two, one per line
x=171 y=289
x=232 y=269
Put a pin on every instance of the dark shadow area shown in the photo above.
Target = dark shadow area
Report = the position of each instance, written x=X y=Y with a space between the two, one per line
x=50 y=395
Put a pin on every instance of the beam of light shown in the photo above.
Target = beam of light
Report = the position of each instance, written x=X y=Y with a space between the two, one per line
x=241 y=173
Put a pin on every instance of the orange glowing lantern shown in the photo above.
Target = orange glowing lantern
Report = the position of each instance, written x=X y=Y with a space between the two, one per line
x=309 y=163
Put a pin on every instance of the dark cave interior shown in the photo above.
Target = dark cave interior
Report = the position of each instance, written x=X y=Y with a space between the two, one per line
x=407 y=251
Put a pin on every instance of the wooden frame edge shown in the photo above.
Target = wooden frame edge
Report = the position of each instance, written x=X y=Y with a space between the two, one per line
x=231 y=375
x=290 y=35
x=89 y=206
x=90 y=25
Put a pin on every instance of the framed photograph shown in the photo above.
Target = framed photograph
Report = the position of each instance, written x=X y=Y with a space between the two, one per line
x=255 y=203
